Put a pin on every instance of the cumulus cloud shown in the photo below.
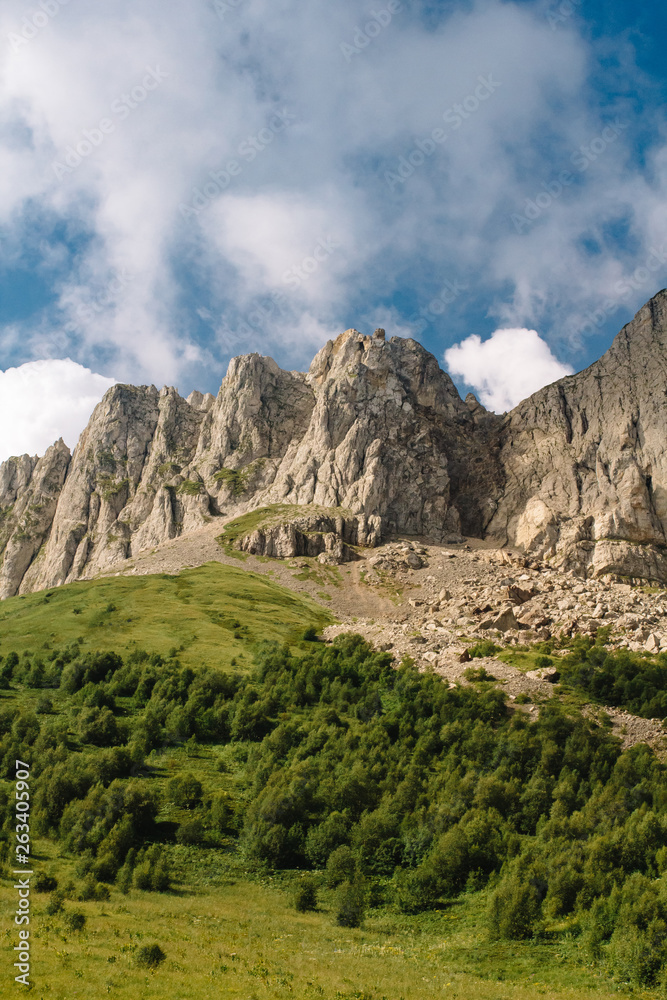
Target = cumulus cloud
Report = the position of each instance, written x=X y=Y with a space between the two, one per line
x=42 y=401
x=194 y=202
x=506 y=368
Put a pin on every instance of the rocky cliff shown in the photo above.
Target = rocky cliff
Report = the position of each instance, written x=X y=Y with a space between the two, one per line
x=375 y=429
x=585 y=460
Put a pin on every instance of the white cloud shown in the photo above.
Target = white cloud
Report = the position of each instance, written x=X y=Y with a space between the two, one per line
x=506 y=368
x=42 y=401
x=127 y=292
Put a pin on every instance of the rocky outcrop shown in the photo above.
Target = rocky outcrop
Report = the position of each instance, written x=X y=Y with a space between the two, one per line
x=585 y=461
x=29 y=492
x=576 y=474
x=332 y=539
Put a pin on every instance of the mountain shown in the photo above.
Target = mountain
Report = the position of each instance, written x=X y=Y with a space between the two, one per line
x=376 y=440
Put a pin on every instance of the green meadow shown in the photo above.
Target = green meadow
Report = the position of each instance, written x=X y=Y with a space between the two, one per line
x=209 y=615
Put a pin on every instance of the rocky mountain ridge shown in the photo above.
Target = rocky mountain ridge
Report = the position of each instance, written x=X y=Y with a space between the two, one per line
x=576 y=474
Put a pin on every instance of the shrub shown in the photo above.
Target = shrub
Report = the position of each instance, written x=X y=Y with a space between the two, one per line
x=190 y=832
x=161 y=877
x=56 y=902
x=341 y=866
x=124 y=879
x=415 y=890
x=515 y=911
x=310 y=634
x=75 y=921
x=222 y=813
x=185 y=790
x=477 y=674
x=150 y=956
x=350 y=905
x=484 y=648
x=45 y=883
x=305 y=897
x=143 y=878
x=92 y=889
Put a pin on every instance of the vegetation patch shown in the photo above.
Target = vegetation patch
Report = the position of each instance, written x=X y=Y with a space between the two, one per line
x=327 y=825
x=191 y=612
x=191 y=488
x=271 y=516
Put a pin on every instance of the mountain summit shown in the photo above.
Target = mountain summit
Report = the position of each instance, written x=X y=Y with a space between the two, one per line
x=375 y=430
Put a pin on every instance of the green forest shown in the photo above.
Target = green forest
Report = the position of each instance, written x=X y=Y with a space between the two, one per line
x=352 y=781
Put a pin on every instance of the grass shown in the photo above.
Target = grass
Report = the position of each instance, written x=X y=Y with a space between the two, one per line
x=209 y=614
x=265 y=517
x=230 y=934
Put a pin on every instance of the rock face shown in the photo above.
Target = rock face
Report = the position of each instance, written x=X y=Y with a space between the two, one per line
x=577 y=473
x=585 y=461
x=329 y=538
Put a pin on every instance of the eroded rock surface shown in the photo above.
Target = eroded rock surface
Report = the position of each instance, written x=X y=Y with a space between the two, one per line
x=576 y=474
x=585 y=460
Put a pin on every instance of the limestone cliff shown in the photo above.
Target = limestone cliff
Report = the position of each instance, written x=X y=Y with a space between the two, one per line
x=576 y=473
x=585 y=460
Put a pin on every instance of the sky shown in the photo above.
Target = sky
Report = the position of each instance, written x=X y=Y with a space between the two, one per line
x=182 y=183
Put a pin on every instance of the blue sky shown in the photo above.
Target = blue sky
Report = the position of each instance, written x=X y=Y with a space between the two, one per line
x=182 y=183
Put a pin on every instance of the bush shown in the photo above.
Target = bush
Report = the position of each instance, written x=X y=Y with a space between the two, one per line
x=310 y=634
x=350 y=905
x=75 y=921
x=124 y=879
x=415 y=890
x=477 y=674
x=515 y=911
x=484 y=648
x=45 y=883
x=143 y=877
x=161 y=877
x=185 y=791
x=191 y=832
x=305 y=897
x=150 y=956
x=56 y=902
x=341 y=867
x=91 y=889
x=222 y=813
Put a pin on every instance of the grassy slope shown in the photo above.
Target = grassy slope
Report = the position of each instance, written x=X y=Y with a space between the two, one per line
x=231 y=933
x=242 y=940
x=212 y=612
x=226 y=931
